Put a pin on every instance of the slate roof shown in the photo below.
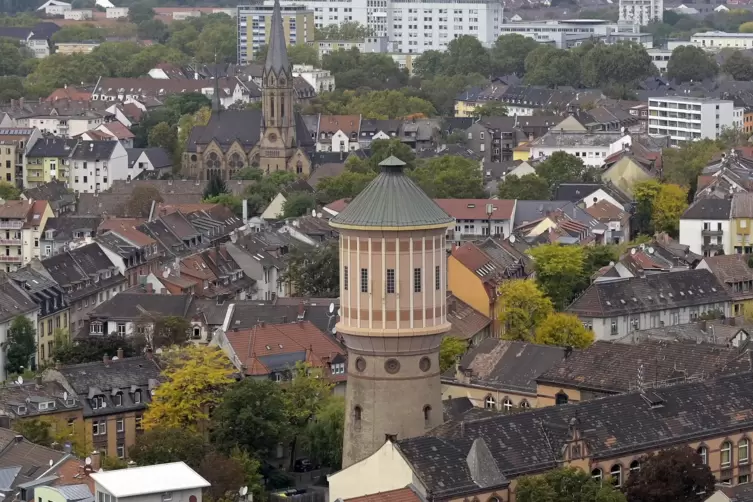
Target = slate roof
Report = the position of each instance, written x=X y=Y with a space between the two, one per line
x=13 y=301
x=532 y=442
x=249 y=313
x=613 y=367
x=475 y=209
x=93 y=150
x=507 y=365
x=718 y=332
x=392 y=199
x=466 y=321
x=708 y=209
x=574 y=139
x=277 y=55
x=742 y=205
x=52 y=147
x=99 y=378
x=527 y=211
x=32 y=460
x=65 y=227
x=651 y=293
x=739 y=493
x=575 y=192
x=454 y=407
x=129 y=305
x=13 y=396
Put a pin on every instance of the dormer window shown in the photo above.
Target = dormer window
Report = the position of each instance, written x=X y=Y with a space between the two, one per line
x=70 y=402
x=137 y=396
x=21 y=410
x=96 y=328
x=47 y=405
x=98 y=402
x=118 y=399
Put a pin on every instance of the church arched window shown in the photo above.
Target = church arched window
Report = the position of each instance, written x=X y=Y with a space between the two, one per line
x=299 y=167
x=213 y=161
x=236 y=161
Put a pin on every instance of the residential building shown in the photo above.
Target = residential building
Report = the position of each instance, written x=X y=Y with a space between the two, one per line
x=115 y=394
x=717 y=40
x=117 y=132
x=461 y=450
x=37 y=38
x=653 y=257
x=320 y=80
x=500 y=375
x=368 y=44
x=94 y=165
x=720 y=332
x=614 y=308
x=467 y=323
x=741 y=222
x=78 y=14
x=56 y=194
x=149 y=163
x=735 y=274
x=65 y=124
x=625 y=170
x=476 y=218
x=14 y=145
x=568 y=33
x=641 y=12
x=47 y=160
x=592 y=148
x=705 y=227
x=588 y=194
x=23 y=223
x=54 y=8
x=232 y=90
x=338 y=133
x=686 y=118
x=588 y=373
x=79 y=492
x=69 y=48
x=274 y=210
x=52 y=318
x=134 y=253
x=17 y=303
x=616 y=219
x=150 y=483
x=413 y=27
x=259 y=256
x=289 y=344
x=88 y=278
x=116 y=12
x=405 y=398
x=60 y=234
x=45 y=401
x=496 y=137
x=255 y=27
x=130 y=313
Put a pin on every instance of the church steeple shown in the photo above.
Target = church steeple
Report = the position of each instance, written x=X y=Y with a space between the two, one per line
x=277 y=56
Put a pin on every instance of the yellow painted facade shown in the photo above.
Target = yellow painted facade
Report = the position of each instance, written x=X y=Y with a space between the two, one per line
x=120 y=434
x=521 y=152
x=8 y=161
x=44 y=169
x=465 y=108
x=740 y=235
x=46 y=334
x=300 y=23
x=467 y=286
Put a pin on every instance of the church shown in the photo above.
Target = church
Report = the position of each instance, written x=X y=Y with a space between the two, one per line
x=274 y=138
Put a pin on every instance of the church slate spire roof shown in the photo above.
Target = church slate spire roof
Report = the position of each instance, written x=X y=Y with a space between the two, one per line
x=277 y=56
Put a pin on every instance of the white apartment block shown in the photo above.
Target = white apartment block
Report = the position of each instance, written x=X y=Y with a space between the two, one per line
x=413 y=26
x=55 y=8
x=78 y=14
x=641 y=12
x=116 y=12
x=685 y=118
x=568 y=33
x=717 y=40
x=321 y=80
x=370 y=44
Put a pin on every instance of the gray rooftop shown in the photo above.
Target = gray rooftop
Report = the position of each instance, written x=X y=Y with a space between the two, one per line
x=392 y=199
x=277 y=57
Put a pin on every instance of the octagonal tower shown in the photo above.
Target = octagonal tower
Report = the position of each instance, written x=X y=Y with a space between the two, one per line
x=393 y=311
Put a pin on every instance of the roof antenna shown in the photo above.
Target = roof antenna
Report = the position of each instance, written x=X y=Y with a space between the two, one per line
x=216 y=105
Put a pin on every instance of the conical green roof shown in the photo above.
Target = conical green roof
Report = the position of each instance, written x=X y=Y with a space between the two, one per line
x=392 y=200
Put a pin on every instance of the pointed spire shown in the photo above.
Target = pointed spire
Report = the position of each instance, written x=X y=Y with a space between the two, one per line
x=216 y=104
x=277 y=55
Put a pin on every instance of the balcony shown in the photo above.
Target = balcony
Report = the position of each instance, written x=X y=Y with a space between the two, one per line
x=10 y=242
x=11 y=225
x=712 y=246
x=11 y=259
x=711 y=233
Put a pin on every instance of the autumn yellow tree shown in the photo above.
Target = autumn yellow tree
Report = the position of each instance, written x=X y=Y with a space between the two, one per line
x=195 y=378
x=559 y=271
x=564 y=330
x=669 y=205
x=522 y=306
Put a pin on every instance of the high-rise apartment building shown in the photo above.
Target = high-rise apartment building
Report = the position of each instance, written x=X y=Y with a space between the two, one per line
x=641 y=11
x=255 y=22
x=414 y=26
x=685 y=118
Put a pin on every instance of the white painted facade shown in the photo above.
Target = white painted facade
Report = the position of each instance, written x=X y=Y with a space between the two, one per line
x=55 y=8
x=338 y=142
x=641 y=12
x=320 y=80
x=716 y=40
x=691 y=235
x=598 y=196
x=65 y=127
x=78 y=14
x=96 y=176
x=568 y=33
x=686 y=118
x=591 y=154
x=116 y=12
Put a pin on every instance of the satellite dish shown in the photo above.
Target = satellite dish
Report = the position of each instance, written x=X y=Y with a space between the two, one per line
x=114 y=358
x=51 y=462
x=152 y=392
x=65 y=396
x=632 y=251
x=166 y=274
x=650 y=250
x=20 y=380
x=331 y=307
x=244 y=490
x=334 y=330
x=88 y=461
x=158 y=351
x=338 y=312
x=313 y=213
x=512 y=239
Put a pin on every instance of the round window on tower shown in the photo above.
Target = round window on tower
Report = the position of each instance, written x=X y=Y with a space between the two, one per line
x=361 y=364
x=272 y=136
x=424 y=364
x=392 y=366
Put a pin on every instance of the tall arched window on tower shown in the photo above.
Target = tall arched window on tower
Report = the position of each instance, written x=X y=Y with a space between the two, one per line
x=427 y=416
x=282 y=106
x=357 y=418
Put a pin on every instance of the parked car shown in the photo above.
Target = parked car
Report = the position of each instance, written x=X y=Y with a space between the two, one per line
x=303 y=465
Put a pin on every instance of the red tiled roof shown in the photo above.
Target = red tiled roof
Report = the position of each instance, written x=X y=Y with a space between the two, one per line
x=275 y=339
x=195 y=266
x=72 y=93
x=399 y=495
x=132 y=111
x=119 y=130
x=127 y=230
x=475 y=209
x=605 y=211
x=338 y=205
x=34 y=217
x=346 y=123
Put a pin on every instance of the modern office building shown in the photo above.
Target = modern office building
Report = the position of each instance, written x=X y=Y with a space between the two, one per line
x=254 y=22
x=641 y=12
x=414 y=26
x=568 y=33
x=685 y=118
x=717 y=40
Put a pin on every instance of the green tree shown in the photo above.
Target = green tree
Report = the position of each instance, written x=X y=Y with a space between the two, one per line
x=449 y=350
x=552 y=67
x=163 y=445
x=146 y=59
x=11 y=87
x=670 y=203
x=140 y=11
x=348 y=30
x=113 y=55
x=429 y=64
x=163 y=136
x=66 y=352
x=672 y=474
x=215 y=187
x=566 y=483
x=565 y=330
x=390 y=105
x=527 y=187
x=441 y=91
x=303 y=54
x=77 y=33
x=323 y=436
x=623 y=62
x=345 y=185
x=559 y=270
x=298 y=204
x=11 y=57
x=168 y=331
x=9 y=191
x=153 y=29
x=562 y=167
x=746 y=27
x=225 y=474
x=490 y=109
x=235 y=204
x=58 y=70
x=384 y=148
x=739 y=66
x=522 y=307
x=194 y=380
x=449 y=176
x=683 y=165
x=249 y=173
x=139 y=203
x=691 y=63
x=314 y=273
x=465 y=55
x=251 y=416
x=354 y=70
x=217 y=41
x=20 y=346
x=35 y=430
x=508 y=54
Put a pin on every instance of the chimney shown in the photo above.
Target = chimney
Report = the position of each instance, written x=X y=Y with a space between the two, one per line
x=106 y=359
x=96 y=461
x=148 y=354
x=120 y=354
x=21 y=102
